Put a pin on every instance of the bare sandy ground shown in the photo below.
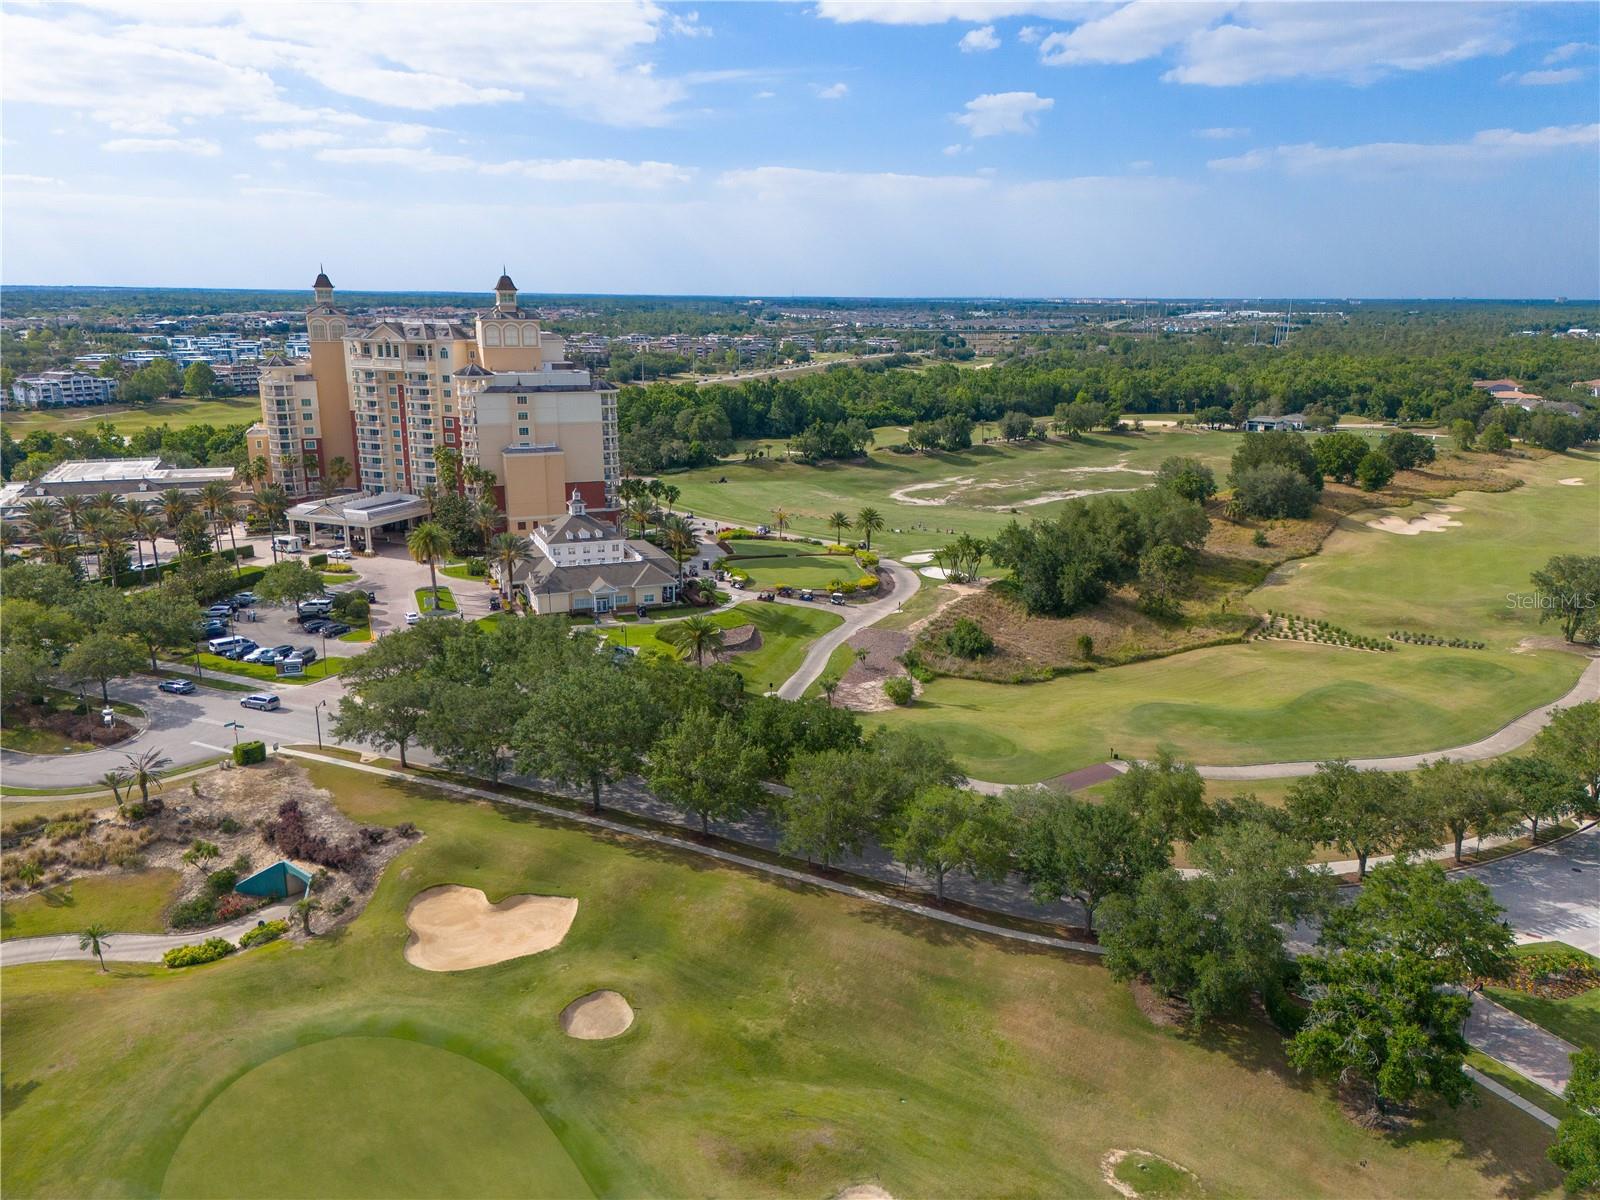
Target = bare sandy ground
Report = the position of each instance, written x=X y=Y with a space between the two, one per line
x=456 y=928
x=1111 y=1160
x=599 y=1015
x=864 y=1191
x=1575 y=481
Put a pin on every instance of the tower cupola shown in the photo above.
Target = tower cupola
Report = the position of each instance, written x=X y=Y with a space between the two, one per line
x=322 y=287
x=505 y=292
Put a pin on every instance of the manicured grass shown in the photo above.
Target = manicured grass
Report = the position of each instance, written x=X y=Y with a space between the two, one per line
x=481 y=1136
x=1150 y=1176
x=230 y=410
x=320 y=669
x=361 y=633
x=130 y=903
x=446 y=600
x=459 y=571
x=796 y=565
x=1575 y=1019
x=840 y=661
x=787 y=630
x=1283 y=701
x=996 y=477
x=788 y=1042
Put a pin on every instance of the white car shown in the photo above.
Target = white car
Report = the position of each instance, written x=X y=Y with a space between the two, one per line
x=412 y=618
x=340 y=555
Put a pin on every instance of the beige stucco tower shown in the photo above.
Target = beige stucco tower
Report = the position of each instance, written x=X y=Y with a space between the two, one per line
x=508 y=337
x=326 y=326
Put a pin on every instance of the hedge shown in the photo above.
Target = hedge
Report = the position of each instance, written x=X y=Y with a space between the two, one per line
x=249 y=753
x=267 y=931
x=192 y=956
x=317 y=560
x=133 y=576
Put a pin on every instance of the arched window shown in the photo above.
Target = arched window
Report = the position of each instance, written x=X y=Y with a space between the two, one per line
x=491 y=335
x=319 y=331
x=512 y=337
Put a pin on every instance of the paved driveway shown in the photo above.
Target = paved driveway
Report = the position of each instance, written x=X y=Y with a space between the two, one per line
x=1552 y=893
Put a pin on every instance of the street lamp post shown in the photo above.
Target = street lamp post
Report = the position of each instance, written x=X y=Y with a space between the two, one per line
x=317 y=713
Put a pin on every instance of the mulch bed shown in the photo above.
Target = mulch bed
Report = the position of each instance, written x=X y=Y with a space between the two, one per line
x=85 y=727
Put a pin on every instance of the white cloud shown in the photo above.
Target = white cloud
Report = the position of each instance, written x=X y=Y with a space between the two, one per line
x=955 y=148
x=1229 y=42
x=1548 y=78
x=765 y=95
x=834 y=91
x=29 y=181
x=141 y=68
x=1029 y=35
x=203 y=147
x=937 y=12
x=1004 y=112
x=1488 y=148
x=296 y=139
x=610 y=172
x=1222 y=133
x=1140 y=164
x=1570 y=50
x=976 y=41
x=688 y=25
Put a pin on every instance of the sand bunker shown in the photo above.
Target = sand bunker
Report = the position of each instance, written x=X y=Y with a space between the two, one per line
x=597 y=1016
x=1113 y=1158
x=904 y=495
x=1575 y=481
x=1434 y=522
x=936 y=572
x=456 y=928
x=864 y=1191
x=921 y=556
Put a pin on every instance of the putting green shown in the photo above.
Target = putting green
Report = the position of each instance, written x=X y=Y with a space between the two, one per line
x=371 y=1116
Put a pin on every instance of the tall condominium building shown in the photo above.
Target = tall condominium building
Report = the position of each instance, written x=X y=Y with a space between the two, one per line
x=388 y=397
x=61 y=389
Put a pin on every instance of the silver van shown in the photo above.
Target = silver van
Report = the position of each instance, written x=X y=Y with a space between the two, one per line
x=265 y=701
x=223 y=644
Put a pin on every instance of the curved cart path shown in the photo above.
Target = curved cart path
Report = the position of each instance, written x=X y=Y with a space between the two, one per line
x=130 y=947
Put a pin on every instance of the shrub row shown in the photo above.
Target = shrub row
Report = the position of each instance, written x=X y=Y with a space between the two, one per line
x=317 y=560
x=192 y=956
x=267 y=931
x=1293 y=627
x=1429 y=639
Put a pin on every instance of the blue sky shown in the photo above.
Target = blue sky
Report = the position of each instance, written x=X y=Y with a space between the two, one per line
x=833 y=147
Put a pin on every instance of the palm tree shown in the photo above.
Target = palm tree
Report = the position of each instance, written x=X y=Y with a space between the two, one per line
x=694 y=635
x=639 y=509
x=72 y=509
x=144 y=769
x=429 y=543
x=678 y=536
x=114 y=780
x=511 y=550
x=58 y=546
x=780 y=520
x=829 y=684
x=106 y=530
x=669 y=495
x=41 y=514
x=213 y=498
x=174 y=505
x=108 y=501
x=144 y=525
x=29 y=873
x=228 y=514
x=339 y=470
x=839 y=522
x=303 y=910
x=869 y=521
x=10 y=535
x=271 y=502
x=485 y=518
x=430 y=495
x=96 y=938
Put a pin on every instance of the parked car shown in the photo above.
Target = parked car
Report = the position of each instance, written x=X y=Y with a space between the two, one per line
x=220 y=610
x=413 y=617
x=306 y=654
x=221 y=645
x=213 y=629
x=242 y=599
x=178 y=687
x=317 y=606
x=264 y=701
x=240 y=648
x=340 y=555
x=334 y=629
x=315 y=624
